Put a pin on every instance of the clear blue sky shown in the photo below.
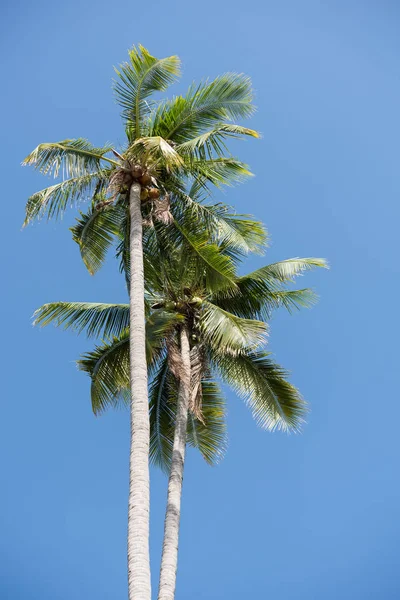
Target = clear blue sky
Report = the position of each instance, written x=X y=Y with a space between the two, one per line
x=288 y=518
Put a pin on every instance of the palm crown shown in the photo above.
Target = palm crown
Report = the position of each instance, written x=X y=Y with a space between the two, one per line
x=227 y=332
x=167 y=143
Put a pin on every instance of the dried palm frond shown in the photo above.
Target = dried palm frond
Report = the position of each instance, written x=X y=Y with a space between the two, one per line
x=161 y=210
x=197 y=373
x=120 y=181
x=174 y=358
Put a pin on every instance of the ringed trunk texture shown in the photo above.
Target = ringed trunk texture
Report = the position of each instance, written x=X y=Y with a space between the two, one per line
x=139 y=494
x=169 y=560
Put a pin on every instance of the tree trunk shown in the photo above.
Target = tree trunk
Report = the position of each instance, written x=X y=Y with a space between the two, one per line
x=169 y=560
x=139 y=493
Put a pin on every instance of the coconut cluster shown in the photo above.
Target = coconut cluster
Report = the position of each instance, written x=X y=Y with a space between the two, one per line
x=148 y=191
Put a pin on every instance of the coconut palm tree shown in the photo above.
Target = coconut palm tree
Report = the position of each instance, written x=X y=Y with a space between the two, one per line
x=192 y=337
x=167 y=142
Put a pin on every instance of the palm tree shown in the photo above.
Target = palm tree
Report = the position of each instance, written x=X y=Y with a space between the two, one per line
x=167 y=142
x=192 y=337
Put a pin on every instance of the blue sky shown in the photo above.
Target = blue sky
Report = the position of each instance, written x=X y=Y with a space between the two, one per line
x=284 y=517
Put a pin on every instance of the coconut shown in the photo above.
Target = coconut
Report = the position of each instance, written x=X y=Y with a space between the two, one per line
x=145 y=179
x=137 y=171
x=144 y=194
x=154 y=193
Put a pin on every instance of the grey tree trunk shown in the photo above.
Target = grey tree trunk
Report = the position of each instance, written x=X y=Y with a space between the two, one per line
x=169 y=560
x=139 y=493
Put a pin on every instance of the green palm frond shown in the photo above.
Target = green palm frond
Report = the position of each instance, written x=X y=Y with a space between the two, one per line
x=140 y=78
x=258 y=293
x=229 y=332
x=95 y=318
x=95 y=231
x=108 y=364
x=106 y=320
x=158 y=151
x=108 y=367
x=212 y=142
x=217 y=171
x=53 y=200
x=284 y=271
x=219 y=268
x=209 y=436
x=203 y=107
x=291 y=300
x=163 y=397
x=275 y=403
x=228 y=229
x=74 y=157
x=247 y=302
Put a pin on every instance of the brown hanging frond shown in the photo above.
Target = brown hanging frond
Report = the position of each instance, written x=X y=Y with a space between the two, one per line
x=120 y=181
x=197 y=371
x=161 y=210
x=148 y=221
x=174 y=358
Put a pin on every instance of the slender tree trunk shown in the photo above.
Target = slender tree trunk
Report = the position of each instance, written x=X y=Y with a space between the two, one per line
x=139 y=493
x=169 y=560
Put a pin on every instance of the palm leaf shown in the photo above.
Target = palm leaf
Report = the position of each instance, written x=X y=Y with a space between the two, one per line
x=106 y=320
x=262 y=291
x=249 y=303
x=204 y=106
x=140 y=78
x=53 y=201
x=228 y=229
x=108 y=367
x=284 y=271
x=163 y=402
x=212 y=143
x=229 y=332
x=209 y=435
x=95 y=318
x=217 y=171
x=218 y=268
x=156 y=150
x=275 y=403
x=76 y=158
x=95 y=231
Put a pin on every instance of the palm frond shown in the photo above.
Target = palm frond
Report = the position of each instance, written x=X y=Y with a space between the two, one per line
x=108 y=367
x=290 y=299
x=53 y=200
x=203 y=107
x=228 y=229
x=229 y=332
x=140 y=78
x=163 y=396
x=248 y=302
x=95 y=318
x=218 y=268
x=262 y=291
x=217 y=171
x=209 y=434
x=212 y=143
x=284 y=271
x=158 y=150
x=95 y=232
x=75 y=158
x=275 y=403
